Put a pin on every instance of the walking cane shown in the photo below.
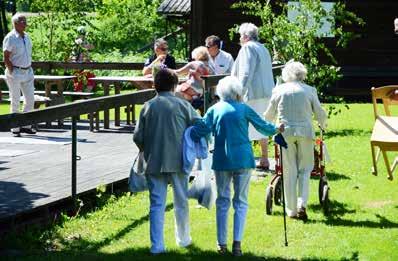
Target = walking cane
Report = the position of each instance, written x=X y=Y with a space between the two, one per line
x=278 y=139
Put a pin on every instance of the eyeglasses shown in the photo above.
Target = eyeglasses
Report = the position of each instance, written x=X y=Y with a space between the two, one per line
x=164 y=49
x=209 y=46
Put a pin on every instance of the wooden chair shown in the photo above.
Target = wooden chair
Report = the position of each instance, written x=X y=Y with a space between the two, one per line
x=385 y=130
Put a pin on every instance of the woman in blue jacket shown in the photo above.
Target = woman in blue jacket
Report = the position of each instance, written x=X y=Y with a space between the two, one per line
x=233 y=159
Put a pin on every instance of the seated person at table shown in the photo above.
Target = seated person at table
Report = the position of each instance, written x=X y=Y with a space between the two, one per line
x=160 y=57
x=192 y=89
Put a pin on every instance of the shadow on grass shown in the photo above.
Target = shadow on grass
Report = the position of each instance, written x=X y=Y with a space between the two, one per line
x=347 y=132
x=335 y=176
x=336 y=208
x=190 y=253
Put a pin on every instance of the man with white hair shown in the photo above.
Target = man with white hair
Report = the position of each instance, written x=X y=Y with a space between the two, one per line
x=253 y=68
x=17 y=49
x=293 y=103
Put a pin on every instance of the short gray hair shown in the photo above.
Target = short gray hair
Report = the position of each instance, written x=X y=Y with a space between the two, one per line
x=159 y=42
x=16 y=17
x=229 y=88
x=294 y=71
x=249 y=30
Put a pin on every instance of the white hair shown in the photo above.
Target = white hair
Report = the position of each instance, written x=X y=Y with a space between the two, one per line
x=159 y=42
x=15 y=18
x=294 y=71
x=249 y=30
x=229 y=88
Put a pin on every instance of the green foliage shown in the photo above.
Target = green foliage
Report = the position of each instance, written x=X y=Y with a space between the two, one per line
x=128 y=24
x=300 y=39
x=54 y=28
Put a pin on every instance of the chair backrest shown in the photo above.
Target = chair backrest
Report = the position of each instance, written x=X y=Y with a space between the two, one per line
x=384 y=93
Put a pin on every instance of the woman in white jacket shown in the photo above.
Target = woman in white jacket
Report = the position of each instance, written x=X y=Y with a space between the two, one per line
x=293 y=103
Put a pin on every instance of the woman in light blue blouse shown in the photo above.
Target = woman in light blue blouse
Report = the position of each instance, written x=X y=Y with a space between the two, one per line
x=233 y=159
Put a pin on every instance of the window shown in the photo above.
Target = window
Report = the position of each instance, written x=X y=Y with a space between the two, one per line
x=326 y=29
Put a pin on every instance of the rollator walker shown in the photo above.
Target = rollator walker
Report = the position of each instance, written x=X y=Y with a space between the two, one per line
x=274 y=189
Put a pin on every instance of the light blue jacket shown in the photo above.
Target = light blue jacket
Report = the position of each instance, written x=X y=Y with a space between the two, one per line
x=229 y=122
x=253 y=68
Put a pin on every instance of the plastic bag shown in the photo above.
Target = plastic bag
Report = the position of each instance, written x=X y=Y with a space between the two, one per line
x=137 y=179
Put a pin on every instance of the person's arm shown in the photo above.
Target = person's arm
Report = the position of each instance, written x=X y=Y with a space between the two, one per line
x=148 y=66
x=139 y=130
x=272 y=110
x=7 y=50
x=7 y=60
x=202 y=127
x=185 y=69
x=319 y=112
x=260 y=125
x=246 y=64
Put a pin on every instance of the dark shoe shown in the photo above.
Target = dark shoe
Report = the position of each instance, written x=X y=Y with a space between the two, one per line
x=302 y=214
x=28 y=130
x=16 y=134
x=262 y=168
x=222 y=249
x=236 y=250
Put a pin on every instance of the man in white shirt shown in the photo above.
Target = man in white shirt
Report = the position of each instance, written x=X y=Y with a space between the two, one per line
x=220 y=61
x=253 y=67
x=17 y=49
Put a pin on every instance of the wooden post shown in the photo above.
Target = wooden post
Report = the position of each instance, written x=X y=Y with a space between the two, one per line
x=74 y=157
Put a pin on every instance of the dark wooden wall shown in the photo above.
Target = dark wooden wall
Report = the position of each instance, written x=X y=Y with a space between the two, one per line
x=371 y=60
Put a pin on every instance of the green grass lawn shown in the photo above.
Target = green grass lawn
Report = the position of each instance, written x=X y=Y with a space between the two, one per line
x=362 y=225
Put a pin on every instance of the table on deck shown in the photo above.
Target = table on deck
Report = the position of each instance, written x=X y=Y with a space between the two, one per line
x=49 y=81
x=140 y=82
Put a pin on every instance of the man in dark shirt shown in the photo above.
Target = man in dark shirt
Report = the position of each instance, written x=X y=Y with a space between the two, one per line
x=161 y=56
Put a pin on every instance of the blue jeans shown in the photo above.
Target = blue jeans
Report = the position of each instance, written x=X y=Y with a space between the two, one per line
x=157 y=185
x=240 y=180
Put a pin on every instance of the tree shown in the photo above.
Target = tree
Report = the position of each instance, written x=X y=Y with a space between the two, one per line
x=55 y=26
x=300 y=38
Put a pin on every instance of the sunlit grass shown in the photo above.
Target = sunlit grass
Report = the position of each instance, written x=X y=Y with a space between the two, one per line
x=362 y=225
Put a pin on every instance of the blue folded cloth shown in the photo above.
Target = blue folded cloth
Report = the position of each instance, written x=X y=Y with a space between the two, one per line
x=278 y=139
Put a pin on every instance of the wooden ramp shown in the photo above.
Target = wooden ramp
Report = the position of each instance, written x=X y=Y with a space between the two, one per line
x=35 y=170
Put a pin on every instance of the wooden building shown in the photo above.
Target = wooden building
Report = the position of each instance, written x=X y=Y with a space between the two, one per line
x=371 y=60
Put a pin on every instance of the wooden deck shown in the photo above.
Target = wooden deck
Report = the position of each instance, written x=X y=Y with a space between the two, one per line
x=35 y=170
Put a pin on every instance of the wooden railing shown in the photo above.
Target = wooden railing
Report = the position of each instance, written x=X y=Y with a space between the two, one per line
x=48 y=66
x=74 y=110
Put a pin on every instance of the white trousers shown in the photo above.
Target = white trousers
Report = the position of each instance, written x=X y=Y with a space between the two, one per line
x=21 y=81
x=298 y=162
x=157 y=184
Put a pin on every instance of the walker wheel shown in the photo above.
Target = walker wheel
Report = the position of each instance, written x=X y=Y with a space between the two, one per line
x=268 y=200
x=278 y=191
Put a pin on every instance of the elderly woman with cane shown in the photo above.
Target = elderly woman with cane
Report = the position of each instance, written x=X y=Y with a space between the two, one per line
x=233 y=158
x=294 y=103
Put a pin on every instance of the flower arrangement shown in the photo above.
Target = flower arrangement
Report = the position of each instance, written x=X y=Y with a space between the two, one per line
x=82 y=81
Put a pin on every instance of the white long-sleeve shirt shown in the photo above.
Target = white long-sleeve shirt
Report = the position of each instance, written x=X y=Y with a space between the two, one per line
x=253 y=68
x=294 y=103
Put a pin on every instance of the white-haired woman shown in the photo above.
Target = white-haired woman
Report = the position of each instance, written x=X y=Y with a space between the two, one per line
x=233 y=158
x=293 y=104
x=253 y=67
